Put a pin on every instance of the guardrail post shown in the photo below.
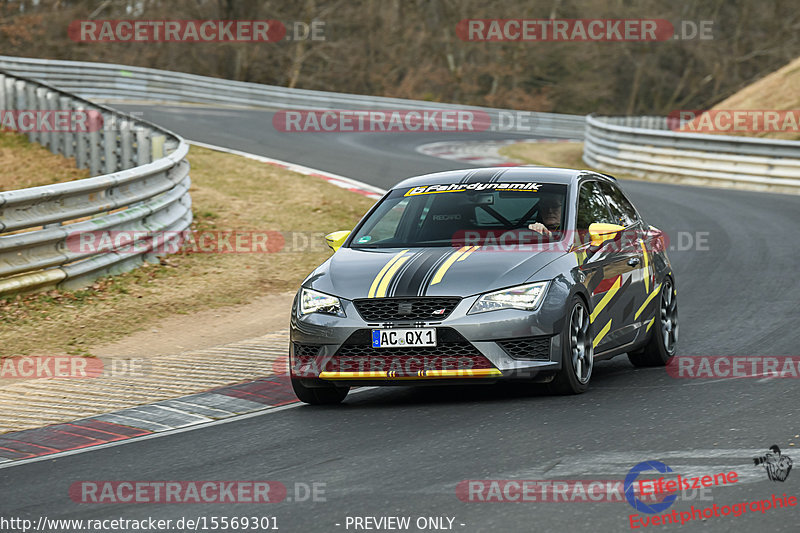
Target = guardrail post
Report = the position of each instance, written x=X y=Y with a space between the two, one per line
x=39 y=103
x=157 y=143
x=10 y=90
x=110 y=142
x=56 y=136
x=143 y=150
x=26 y=99
x=81 y=144
x=68 y=137
x=126 y=145
x=95 y=161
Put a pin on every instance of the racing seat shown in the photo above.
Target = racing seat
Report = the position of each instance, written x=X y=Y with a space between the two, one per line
x=446 y=219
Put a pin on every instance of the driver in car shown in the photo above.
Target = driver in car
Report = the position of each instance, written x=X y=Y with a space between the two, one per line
x=549 y=216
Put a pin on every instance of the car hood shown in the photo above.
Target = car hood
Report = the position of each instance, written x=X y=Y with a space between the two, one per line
x=434 y=271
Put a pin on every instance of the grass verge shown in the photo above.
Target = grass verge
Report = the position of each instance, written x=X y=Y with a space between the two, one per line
x=556 y=154
x=27 y=164
x=775 y=91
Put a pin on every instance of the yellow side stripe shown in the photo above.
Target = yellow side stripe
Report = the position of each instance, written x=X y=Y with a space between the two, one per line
x=467 y=254
x=602 y=334
x=447 y=264
x=422 y=374
x=644 y=305
x=386 y=267
x=607 y=298
x=650 y=324
x=646 y=267
x=381 y=292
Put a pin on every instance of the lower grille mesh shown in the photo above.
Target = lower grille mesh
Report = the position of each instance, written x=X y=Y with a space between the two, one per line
x=536 y=348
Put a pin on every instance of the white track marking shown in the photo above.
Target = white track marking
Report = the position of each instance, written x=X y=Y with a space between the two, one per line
x=481 y=153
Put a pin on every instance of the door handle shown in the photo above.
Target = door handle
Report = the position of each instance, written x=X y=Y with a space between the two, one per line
x=633 y=261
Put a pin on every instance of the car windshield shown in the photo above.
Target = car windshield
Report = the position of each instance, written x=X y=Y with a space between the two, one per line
x=458 y=214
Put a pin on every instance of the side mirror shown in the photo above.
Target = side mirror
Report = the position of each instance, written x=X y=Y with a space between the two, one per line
x=336 y=239
x=600 y=233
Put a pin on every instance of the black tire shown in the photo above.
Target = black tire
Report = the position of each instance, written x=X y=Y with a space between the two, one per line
x=328 y=395
x=660 y=347
x=577 y=353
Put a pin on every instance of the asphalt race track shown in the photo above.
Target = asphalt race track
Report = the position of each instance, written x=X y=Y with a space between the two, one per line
x=403 y=451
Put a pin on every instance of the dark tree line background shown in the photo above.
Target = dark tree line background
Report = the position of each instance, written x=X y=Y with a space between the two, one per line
x=409 y=49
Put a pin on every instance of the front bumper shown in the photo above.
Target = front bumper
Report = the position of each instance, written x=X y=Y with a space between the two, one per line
x=480 y=348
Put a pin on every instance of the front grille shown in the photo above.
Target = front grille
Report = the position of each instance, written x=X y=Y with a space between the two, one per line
x=537 y=348
x=383 y=309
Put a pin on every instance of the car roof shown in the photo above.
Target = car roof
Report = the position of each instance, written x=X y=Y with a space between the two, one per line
x=498 y=174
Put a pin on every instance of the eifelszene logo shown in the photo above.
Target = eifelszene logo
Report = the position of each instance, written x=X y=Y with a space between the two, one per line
x=630 y=483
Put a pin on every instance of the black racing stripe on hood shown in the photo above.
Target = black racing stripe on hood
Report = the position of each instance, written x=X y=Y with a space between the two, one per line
x=497 y=176
x=412 y=279
x=400 y=273
x=423 y=289
x=465 y=177
x=483 y=175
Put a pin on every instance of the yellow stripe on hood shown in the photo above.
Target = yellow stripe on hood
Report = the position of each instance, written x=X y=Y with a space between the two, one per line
x=374 y=287
x=447 y=264
x=381 y=292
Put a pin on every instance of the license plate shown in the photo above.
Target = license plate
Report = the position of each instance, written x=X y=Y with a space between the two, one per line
x=403 y=338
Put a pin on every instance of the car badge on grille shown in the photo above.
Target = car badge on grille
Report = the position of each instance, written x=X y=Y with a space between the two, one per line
x=439 y=312
x=404 y=308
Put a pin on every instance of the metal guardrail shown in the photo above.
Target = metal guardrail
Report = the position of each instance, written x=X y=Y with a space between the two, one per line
x=645 y=146
x=140 y=187
x=111 y=82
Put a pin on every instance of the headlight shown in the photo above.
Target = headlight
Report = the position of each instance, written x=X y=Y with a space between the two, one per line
x=525 y=297
x=316 y=302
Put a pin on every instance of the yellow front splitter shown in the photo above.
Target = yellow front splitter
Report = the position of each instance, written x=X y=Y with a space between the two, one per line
x=422 y=374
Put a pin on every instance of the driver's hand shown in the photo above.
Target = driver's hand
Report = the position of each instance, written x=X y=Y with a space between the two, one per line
x=538 y=227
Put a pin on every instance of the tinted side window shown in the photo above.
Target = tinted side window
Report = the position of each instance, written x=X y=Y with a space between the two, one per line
x=591 y=206
x=621 y=209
